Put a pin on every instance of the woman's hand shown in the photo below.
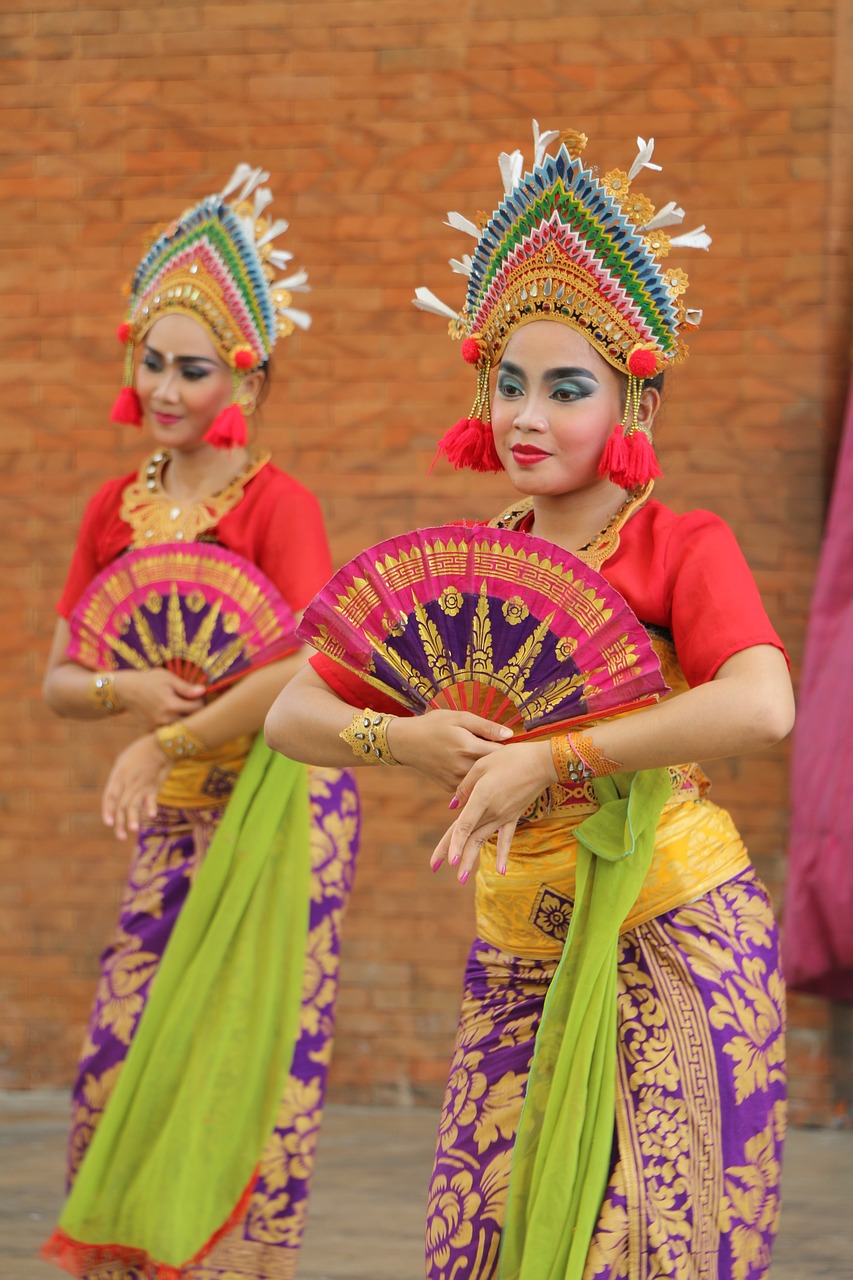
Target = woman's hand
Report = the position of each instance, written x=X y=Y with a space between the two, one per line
x=493 y=796
x=133 y=785
x=445 y=744
x=157 y=696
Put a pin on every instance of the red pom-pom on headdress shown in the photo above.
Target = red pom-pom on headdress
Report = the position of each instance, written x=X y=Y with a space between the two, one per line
x=245 y=358
x=471 y=351
x=124 y=332
x=642 y=362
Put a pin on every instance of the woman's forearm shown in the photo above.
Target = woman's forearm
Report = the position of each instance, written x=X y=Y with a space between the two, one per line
x=68 y=689
x=305 y=722
x=747 y=707
x=156 y=697
x=242 y=708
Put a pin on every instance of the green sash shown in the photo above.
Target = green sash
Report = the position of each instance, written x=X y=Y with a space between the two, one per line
x=561 y=1159
x=198 y=1095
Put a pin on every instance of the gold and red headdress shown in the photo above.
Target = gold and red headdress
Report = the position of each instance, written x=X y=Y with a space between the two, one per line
x=217 y=264
x=568 y=245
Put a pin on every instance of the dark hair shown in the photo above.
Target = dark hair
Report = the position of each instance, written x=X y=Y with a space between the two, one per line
x=656 y=383
x=266 y=370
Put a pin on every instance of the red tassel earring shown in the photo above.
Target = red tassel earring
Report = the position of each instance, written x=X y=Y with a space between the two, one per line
x=470 y=442
x=127 y=407
x=629 y=458
x=228 y=429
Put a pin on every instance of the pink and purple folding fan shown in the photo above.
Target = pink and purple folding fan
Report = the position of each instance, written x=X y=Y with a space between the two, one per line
x=486 y=620
x=198 y=610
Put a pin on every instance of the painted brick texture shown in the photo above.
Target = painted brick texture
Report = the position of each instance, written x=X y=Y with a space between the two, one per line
x=375 y=117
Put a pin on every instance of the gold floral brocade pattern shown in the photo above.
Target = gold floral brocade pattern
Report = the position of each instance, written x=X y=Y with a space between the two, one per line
x=700 y=1111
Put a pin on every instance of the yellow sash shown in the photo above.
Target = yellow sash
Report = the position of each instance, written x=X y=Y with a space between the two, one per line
x=207 y=779
x=526 y=912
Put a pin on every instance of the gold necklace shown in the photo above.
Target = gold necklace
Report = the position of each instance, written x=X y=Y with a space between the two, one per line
x=604 y=544
x=156 y=517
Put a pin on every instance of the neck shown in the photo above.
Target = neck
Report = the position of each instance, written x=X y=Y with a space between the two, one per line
x=192 y=473
x=572 y=520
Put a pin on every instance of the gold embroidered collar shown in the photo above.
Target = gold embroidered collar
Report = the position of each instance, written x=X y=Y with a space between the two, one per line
x=157 y=517
x=604 y=544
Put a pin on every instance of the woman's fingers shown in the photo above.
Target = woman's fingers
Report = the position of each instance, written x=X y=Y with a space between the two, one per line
x=157 y=696
x=488 y=730
x=491 y=798
x=504 y=843
x=133 y=786
x=186 y=688
x=439 y=853
x=113 y=812
x=467 y=835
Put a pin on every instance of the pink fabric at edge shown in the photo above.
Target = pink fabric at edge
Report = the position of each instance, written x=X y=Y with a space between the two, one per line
x=817 y=944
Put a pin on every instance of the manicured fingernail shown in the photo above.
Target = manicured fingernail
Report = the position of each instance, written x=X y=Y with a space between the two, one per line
x=454 y=803
x=454 y=862
x=502 y=871
x=463 y=876
x=433 y=869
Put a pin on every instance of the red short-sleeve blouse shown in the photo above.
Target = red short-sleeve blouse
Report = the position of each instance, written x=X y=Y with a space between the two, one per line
x=277 y=525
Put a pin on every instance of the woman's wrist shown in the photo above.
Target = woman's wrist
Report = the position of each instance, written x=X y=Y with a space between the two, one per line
x=576 y=759
x=546 y=756
x=177 y=742
x=124 y=683
x=367 y=737
x=103 y=694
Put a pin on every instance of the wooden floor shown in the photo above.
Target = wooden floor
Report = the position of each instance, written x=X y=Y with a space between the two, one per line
x=366 y=1219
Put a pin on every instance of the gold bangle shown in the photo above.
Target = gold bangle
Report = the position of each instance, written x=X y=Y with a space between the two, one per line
x=102 y=693
x=598 y=764
x=177 y=742
x=577 y=759
x=571 y=770
x=367 y=736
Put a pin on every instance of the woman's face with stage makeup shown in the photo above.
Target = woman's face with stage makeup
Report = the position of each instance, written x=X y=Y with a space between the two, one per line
x=556 y=401
x=182 y=382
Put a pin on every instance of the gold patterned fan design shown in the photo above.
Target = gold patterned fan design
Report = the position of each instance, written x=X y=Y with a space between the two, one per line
x=486 y=620
x=201 y=611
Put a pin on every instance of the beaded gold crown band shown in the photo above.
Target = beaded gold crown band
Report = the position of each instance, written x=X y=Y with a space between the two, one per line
x=217 y=264
x=568 y=245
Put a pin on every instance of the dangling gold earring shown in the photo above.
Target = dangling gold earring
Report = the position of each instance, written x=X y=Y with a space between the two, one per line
x=629 y=456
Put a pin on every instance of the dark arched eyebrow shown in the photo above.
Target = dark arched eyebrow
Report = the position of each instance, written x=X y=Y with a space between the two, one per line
x=552 y=375
x=183 y=359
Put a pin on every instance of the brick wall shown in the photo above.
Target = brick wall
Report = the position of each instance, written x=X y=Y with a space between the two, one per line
x=375 y=117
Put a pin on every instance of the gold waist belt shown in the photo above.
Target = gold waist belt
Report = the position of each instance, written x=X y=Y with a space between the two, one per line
x=526 y=912
x=208 y=779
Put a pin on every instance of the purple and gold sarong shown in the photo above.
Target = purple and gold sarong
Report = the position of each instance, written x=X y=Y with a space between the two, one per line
x=700 y=1098
x=264 y=1244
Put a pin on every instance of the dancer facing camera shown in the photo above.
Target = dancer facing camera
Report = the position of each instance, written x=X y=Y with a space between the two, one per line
x=632 y=1125
x=200 y=1087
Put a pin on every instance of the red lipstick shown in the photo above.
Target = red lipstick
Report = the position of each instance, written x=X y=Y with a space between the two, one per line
x=526 y=455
